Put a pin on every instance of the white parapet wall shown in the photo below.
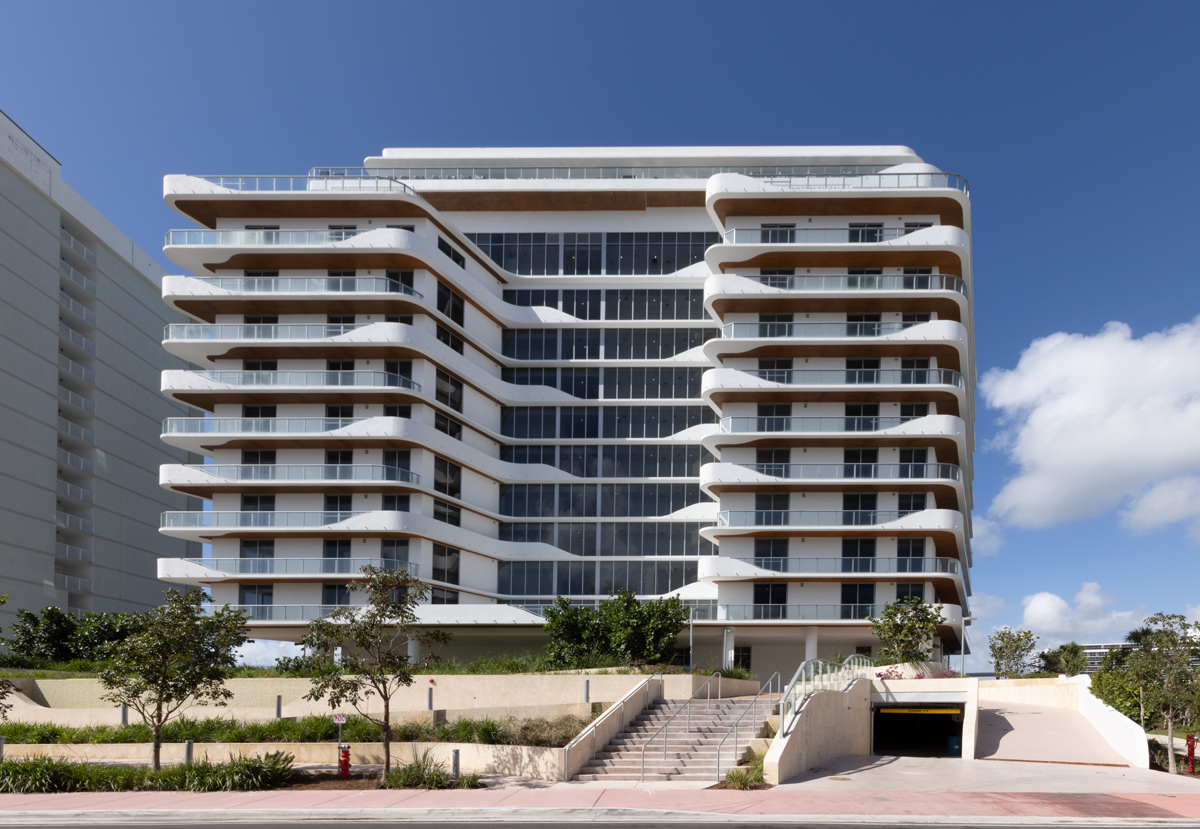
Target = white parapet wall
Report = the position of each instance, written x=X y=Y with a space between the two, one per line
x=830 y=723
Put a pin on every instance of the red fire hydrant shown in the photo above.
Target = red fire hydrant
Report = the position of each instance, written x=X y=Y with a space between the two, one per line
x=1191 y=747
x=344 y=761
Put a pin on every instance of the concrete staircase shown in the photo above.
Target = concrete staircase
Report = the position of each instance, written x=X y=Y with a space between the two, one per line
x=689 y=755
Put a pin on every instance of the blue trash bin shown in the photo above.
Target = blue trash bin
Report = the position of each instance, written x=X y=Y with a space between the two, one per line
x=954 y=746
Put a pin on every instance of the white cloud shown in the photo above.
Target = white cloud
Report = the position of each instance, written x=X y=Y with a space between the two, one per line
x=1092 y=619
x=1192 y=611
x=265 y=652
x=985 y=605
x=1097 y=422
x=986 y=536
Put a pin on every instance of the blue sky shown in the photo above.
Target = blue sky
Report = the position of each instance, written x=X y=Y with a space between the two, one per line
x=1075 y=123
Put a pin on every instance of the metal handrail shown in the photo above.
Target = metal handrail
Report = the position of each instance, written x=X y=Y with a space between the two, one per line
x=688 y=706
x=824 y=675
x=753 y=705
x=592 y=728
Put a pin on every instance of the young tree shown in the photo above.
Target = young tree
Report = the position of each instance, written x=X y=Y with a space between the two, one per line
x=174 y=654
x=374 y=639
x=1113 y=685
x=1071 y=659
x=906 y=629
x=621 y=628
x=1012 y=651
x=1164 y=669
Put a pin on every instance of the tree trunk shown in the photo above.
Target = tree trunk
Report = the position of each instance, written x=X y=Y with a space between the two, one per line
x=386 y=733
x=157 y=745
x=1171 y=743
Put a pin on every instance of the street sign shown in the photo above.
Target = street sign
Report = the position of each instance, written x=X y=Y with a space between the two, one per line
x=339 y=718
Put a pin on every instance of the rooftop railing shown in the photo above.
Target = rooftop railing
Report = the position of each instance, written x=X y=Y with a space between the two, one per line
x=255 y=238
x=275 y=379
x=277 y=520
x=255 y=425
x=514 y=173
x=190 y=331
x=813 y=235
x=299 y=566
x=817 y=566
x=808 y=518
x=841 y=471
x=860 y=376
x=308 y=285
x=864 y=282
x=738 y=425
x=315 y=182
x=871 y=181
x=756 y=330
x=308 y=472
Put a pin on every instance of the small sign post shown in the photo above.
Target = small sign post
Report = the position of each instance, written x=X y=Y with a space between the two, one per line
x=340 y=719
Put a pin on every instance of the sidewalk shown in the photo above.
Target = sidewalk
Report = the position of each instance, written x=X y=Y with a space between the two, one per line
x=902 y=790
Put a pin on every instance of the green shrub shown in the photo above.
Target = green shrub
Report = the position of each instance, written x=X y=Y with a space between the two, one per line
x=240 y=774
x=45 y=775
x=748 y=776
x=424 y=772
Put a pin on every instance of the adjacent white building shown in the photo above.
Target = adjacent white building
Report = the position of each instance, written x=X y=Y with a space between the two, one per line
x=743 y=376
x=78 y=403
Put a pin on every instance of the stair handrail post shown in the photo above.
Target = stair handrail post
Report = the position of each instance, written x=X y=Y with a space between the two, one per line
x=663 y=728
x=753 y=706
x=592 y=728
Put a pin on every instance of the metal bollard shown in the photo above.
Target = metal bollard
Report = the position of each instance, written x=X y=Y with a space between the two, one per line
x=187 y=752
x=454 y=763
x=587 y=690
x=279 y=706
x=124 y=715
x=429 y=700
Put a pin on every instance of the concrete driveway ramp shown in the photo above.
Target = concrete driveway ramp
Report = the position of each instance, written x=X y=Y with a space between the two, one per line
x=1018 y=731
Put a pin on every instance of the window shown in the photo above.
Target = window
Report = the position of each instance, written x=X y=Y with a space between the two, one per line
x=775 y=370
x=440 y=595
x=449 y=390
x=866 y=232
x=771 y=508
x=911 y=502
x=858 y=508
x=776 y=234
x=909 y=411
x=393 y=410
x=863 y=325
x=339 y=411
x=447 y=478
x=450 y=303
x=447 y=424
x=395 y=503
x=335 y=595
x=257 y=598
x=770 y=601
x=741 y=656
x=393 y=552
x=913 y=318
x=864 y=278
x=456 y=257
x=858 y=600
x=773 y=417
x=258 y=457
x=257 y=555
x=261 y=319
x=258 y=503
x=446 y=336
x=776 y=277
x=399 y=281
x=445 y=563
x=910 y=589
x=858 y=555
x=920 y=279
x=261 y=274
x=397 y=458
x=260 y=365
x=912 y=463
x=860 y=463
x=862 y=417
x=862 y=650
x=773 y=462
x=336 y=555
x=862 y=370
x=907 y=551
x=258 y=411
x=336 y=508
x=448 y=513
x=916 y=370
x=771 y=553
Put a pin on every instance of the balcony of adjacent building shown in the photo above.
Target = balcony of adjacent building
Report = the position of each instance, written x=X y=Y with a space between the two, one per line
x=944 y=481
x=869 y=244
x=905 y=189
x=944 y=387
x=911 y=336
x=945 y=434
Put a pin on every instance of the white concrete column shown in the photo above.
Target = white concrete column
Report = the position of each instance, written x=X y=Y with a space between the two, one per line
x=727 y=649
x=414 y=650
x=810 y=643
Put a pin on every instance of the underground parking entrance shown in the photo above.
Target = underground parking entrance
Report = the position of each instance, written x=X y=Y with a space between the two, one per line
x=918 y=729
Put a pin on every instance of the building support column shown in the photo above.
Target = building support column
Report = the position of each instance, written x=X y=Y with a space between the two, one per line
x=414 y=650
x=727 y=644
x=810 y=643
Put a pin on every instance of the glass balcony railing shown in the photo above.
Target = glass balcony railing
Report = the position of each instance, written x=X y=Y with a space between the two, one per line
x=307 y=472
x=328 y=181
x=741 y=425
x=690 y=171
x=300 y=379
x=871 y=181
x=299 y=566
x=794 y=612
x=308 y=285
x=233 y=520
x=257 y=238
x=864 y=282
x=190 y=331
x=278 y=612
x=842 y=471
x=813 y=235
x=755 y=330
x=808 y=518
x=255 y=425
x=817 y=566
x=860 y=376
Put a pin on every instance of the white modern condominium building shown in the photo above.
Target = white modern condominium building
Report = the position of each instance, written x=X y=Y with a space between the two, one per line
x=742 y=376
x=78 y=403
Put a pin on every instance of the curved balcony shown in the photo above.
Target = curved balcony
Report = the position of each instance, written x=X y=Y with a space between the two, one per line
x=206 y=296
x=204 y=571
x=946 y=527
x=201 y=480
x=944 y=247
x=860 y=614
x=945 y=340
x=945 y=387
x=945 y=433
x=943 y=294
x=204 y=388
x=944 y=480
